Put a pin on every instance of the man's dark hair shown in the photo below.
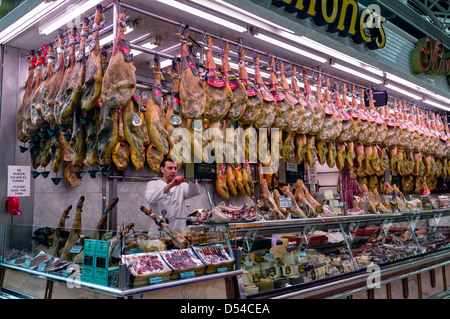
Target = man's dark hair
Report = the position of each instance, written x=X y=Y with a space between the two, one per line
x=163 y=163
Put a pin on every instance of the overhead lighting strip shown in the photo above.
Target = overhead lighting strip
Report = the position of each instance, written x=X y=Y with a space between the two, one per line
x=71 y=13
x=29 y=19
x=220 y=6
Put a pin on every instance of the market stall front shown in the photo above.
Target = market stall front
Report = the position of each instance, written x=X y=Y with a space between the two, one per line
x=295 y=121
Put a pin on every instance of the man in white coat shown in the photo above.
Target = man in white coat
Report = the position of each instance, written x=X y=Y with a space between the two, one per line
x=167 y=196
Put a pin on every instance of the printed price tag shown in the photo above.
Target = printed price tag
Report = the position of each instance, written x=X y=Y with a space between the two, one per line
x=222 y=269
x=187 y=274
x=155 y=280
x=41 y=266
x=285 y=201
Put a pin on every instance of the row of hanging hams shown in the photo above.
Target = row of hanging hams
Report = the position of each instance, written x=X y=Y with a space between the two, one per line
x=86 y=111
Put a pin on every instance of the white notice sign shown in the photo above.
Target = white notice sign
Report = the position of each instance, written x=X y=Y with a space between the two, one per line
x=18 y=181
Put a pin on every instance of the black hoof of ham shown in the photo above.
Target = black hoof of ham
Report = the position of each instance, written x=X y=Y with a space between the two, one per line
x=56 y=181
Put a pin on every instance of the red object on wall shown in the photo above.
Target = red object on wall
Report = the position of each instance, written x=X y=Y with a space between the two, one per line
x=13 y=206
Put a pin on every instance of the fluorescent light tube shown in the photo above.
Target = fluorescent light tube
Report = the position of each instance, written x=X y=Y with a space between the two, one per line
x=204 y=15
x=71 y=13
x=399 y=90
x=109 y=38
x=148 y=45
x=356 y=73
x=438 y=105
x=28 y=20
x=289 y=47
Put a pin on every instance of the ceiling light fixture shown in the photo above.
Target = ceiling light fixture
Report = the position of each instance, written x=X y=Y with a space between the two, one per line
x=204 y=15
x=289 y=47
x=356 y=73
x=438 y=105
x=402 y=91
x=71 y=13
x=28 y=19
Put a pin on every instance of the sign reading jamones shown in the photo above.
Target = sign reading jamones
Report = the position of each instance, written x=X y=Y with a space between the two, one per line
x=364 y=26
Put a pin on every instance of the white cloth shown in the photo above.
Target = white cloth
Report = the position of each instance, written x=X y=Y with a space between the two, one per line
x=173 y=202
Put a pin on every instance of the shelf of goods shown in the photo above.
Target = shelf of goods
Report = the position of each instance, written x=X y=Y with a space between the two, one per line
x=335 y=257
x=140 y=266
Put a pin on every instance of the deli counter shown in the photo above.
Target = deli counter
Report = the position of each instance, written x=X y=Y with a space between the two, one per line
x=397 y=255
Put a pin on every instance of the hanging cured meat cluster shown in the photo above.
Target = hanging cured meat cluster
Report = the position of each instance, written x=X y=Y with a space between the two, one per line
x=85 y=112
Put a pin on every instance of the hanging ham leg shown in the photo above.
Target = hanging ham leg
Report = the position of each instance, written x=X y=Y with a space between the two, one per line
x=119 y=80
x=37 y=118
x=28 y=129
x=66 y=123
x=74 y=89
x=254 y=99
x=217 y=90
x=239 y=100
x=26 y=98
x=221 y=182
x=192 y=94
x=48 y=99
x=269 y=104
x=154 y=114
x=94 y=73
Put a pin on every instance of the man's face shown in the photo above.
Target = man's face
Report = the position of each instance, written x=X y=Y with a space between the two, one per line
x=169 y=171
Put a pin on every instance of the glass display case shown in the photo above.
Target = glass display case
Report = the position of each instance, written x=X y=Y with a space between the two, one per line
x=119 y=263
x=258 y=259
x=281 y=258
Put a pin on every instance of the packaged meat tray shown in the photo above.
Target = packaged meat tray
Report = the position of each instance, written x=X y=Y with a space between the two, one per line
x=183 y=261
x=144 y=266
x=215 y=257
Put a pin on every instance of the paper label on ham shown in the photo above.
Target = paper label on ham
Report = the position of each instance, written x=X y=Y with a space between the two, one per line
x=379 y=120
x=214 y=78
x=44 y=75
x=344 y=114
x=277 y=92
x=294 y=97
x=176 y=101
x=56 y=67
x=267 y=96
x=189 y=63
x=362 y=115
x=312 y=102
x=92 y=45
x=157 y=93
x=197 y=125
x=80 y=55
x=353 y=113
x=250 y=88
x=328 y=109
x=231 y=80
x=175 y=120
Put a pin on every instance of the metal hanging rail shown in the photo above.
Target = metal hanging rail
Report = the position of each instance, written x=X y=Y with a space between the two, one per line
x=238 y=44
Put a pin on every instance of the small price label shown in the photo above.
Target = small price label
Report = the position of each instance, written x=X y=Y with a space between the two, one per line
x=154 y=280
x=222 y=269
x=27 y=263
x=41 y=266
x=187 y=274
